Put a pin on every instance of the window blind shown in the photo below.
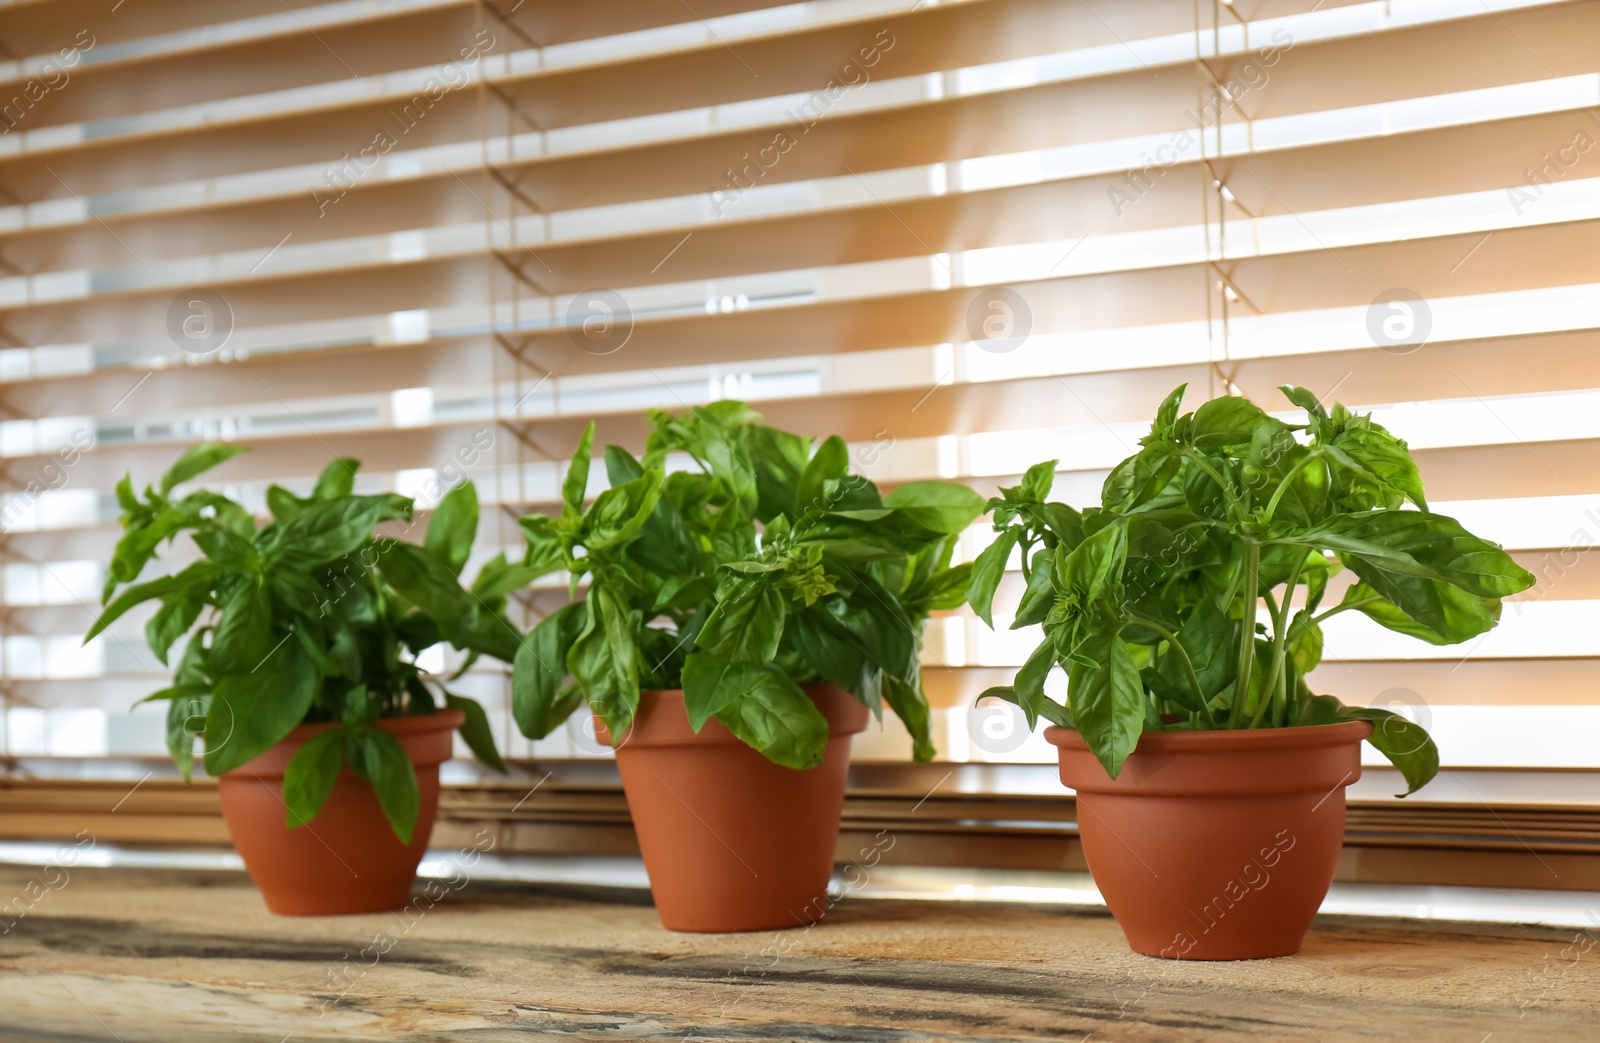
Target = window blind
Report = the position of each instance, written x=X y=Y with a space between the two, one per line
x=441 y=235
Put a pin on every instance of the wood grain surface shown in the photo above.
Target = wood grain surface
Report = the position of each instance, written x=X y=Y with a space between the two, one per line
x=187 y=956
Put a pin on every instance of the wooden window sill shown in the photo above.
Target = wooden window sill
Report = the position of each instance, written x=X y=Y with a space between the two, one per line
x=577 y=807
x=143 y=955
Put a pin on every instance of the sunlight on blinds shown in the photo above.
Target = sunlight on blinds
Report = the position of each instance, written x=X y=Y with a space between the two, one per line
x=439 y=236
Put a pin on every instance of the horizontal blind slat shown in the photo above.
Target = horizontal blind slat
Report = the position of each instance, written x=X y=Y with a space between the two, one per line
x=1365 y=377
x=861 y=365
x=930 y=39
x=1366 y=170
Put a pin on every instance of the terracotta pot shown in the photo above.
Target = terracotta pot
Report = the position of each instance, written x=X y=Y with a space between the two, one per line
x=347 y=859
x=732 y=841
x=1215 y=845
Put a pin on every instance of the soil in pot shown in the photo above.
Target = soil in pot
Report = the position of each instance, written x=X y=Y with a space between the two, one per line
x=732 y=841
x=1216 y=845
x=347 y=859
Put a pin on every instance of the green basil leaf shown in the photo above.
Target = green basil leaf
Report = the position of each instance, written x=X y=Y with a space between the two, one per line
x=1028 y=685
x=337 y=479
x=481 y=631
x=621 y=511
x=1319 y=570
x=1140 y=478
x=309 y=778
x=1305 y=642
x=684 y=593
x=712 y=682
x=192 y=667
x=944 y=507
x=878 y=622
x=1212 y=641
x=604 y=661
x=756 y=568
x=225 y=514
x=576 y=482
x=1049 y=709
x=419 y=699
x=1167 y=414
x=1407 y=745
x=540 y=668
x=1106 y=698
x=621 y=467
x=910 y=705
x=138 y=545
x=195 y=578
x=178 y=692
x=729 y=465
x=941 y=592
x=226 y=547
x=381 y=760
x=249 y=712
x=546 y=542
x=1302 y=474
x=428 y=583
x=1094 y=564
x=1065 y=523
x=126 y=499
x=418 y=632
x=747 y=623
x=837 y=658
x=284 y=505
x=498 y=577
x=244 y=632
x=186 y=716
x=1428 y=609
x=300 y=591
x=1379 y=454
x=1316 y=709
x=1040 y=594
x=1037 y=481
x=172 y=620
x=424 y=580
x=727 y=412
x=325 y=531
x=197 y=460
x=309 y=636
x=663 y=544
x=1306 y=400
x=1228 y=421
x=851 y=493
x=775 y=717
x=343 y=645
x=832 y=461
x=778 y=459
x=988 y=569
x=1420 y=545
x=475 y=730
x=453 y=527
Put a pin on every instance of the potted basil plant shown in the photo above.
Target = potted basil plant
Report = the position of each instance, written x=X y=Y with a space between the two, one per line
x=1187 y=611
x=743 y=619
x=300 y=671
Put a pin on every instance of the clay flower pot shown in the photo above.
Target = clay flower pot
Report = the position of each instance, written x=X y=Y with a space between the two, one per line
x=347 y=859
x=732 y=841
x=1215 y=845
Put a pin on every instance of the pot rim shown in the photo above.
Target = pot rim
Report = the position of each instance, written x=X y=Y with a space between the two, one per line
x=425 y=737
x=408 y=724
x=848 y=717
x=1336 y=734
x=805 y=686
